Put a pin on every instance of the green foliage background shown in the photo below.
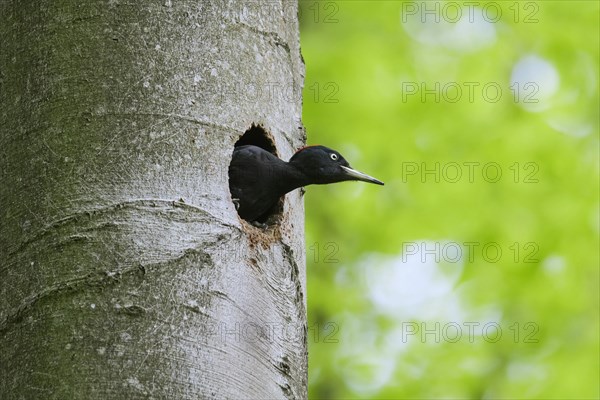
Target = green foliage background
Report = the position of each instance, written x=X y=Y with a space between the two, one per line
x=542 y=291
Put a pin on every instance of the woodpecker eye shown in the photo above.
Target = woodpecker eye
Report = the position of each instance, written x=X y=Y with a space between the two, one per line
x=333 y=156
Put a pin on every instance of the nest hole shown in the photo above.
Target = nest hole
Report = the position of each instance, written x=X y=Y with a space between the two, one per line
x=258 y=136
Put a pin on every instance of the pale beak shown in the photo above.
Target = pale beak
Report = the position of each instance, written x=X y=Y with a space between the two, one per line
x=359 y=176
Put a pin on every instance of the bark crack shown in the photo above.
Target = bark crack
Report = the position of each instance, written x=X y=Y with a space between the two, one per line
x=90 y=280
x=284 y=366
x=99 y=211
x=271 y=36
x=174 y=116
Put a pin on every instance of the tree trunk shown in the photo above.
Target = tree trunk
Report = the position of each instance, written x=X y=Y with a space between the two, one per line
x=126 y=272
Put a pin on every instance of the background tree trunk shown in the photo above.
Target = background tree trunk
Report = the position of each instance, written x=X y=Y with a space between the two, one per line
x=125 y=270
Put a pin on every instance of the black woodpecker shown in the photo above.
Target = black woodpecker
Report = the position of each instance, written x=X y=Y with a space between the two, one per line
x=257 y=178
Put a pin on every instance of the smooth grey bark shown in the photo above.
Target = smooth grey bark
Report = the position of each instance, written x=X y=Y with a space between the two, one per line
x=125 y=271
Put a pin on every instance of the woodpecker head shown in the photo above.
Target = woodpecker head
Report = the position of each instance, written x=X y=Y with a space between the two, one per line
x=323 y=165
